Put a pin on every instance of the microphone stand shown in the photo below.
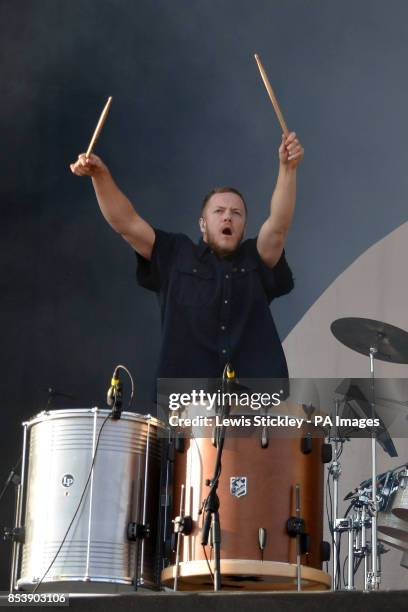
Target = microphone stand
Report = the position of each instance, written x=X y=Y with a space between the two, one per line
x=212 y=503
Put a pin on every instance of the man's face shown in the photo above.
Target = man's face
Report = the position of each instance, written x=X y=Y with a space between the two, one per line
x=223 y=222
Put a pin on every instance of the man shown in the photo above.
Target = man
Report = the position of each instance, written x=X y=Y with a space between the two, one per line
x=214 y=296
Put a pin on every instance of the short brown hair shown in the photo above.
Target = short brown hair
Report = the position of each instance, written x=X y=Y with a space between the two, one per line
x=224 y=189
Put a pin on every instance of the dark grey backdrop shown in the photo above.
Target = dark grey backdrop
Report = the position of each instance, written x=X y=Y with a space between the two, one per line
x=189 y=112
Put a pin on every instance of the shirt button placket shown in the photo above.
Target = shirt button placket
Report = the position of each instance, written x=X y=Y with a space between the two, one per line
x=225 y=312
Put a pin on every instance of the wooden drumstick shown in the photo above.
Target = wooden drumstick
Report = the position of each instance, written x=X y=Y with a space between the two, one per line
x=99 y=127
x=272 y=96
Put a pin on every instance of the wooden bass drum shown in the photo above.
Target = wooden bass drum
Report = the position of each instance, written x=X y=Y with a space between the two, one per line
x=256 y=490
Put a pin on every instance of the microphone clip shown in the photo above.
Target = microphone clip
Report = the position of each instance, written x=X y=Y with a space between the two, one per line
x=114 y=396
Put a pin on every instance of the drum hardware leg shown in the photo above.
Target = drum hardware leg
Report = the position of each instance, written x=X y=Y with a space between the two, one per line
x=17 y=536
x=298 y=543
x=350 y=563
x=177 y=527
x=182 y=525
x=212 y=522
x=216 y=538
x=335 y=472
x=167 y=459
x=381 y=550
x=364 y=548
x=20 y=494
x=296 y=528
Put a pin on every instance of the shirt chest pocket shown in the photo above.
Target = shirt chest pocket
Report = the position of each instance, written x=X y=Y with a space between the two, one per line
x=246 y=283
x=194 y=285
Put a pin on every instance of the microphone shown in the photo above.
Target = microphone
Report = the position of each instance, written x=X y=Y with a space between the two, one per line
x=114 y=395
x=229 y=374
x=110 y=396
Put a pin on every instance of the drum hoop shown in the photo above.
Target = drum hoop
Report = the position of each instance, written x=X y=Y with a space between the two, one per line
x=52 y=415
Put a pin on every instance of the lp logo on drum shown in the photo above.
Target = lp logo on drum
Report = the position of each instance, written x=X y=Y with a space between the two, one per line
x=67 y=480
x=238 y=486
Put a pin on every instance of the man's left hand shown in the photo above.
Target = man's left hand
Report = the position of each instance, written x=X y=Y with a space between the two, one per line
x=290 y=151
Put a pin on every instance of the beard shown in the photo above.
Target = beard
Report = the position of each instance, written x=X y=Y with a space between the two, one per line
x=223 y=248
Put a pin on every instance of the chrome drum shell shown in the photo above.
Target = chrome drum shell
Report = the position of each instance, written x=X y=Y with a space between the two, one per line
x=124 y=487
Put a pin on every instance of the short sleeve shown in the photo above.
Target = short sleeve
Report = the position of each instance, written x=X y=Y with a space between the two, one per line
x=276 y=281
x=153 y=274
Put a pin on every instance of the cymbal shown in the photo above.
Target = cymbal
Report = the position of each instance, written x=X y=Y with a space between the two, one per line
x=361 y=335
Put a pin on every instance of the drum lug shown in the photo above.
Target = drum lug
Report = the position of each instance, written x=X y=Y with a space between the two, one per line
x=16 y=534
x=137 y=531
x=183 y=524
x=327 y=453
x=179 y=443
x=325 y=551
x=307 y=444
x=295 y=526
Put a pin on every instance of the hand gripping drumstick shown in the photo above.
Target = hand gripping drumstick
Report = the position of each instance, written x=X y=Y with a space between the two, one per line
x=272 y=96
x=99 y=127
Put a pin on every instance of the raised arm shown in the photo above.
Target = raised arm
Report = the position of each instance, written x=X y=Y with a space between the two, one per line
x=115 y=206
x=273 y=233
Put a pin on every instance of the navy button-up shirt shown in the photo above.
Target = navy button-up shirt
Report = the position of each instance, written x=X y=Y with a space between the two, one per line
x=215 y=310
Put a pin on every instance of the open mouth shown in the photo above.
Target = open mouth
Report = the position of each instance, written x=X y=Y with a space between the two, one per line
x=227 y=231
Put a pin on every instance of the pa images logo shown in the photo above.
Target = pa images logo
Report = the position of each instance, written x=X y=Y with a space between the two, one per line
x=238 y=486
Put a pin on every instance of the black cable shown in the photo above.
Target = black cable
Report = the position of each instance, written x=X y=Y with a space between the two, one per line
x=10 y=477
x=338 y=559
x=344 y=567
x=357 y=565
x=78 y=507
x=208 y=563
x=329 y=512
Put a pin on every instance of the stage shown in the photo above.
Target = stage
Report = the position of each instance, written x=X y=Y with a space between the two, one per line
x=273 y=602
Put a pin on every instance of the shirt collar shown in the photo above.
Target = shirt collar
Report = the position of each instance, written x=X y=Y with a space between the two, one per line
x=203 y=248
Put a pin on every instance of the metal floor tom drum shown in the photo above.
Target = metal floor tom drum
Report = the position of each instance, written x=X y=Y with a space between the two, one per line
x=122 y=490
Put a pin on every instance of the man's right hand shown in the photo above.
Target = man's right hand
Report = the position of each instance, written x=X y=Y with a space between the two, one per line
x=89 y=166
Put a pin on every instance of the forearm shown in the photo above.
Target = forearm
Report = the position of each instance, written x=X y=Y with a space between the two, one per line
x=283 y=201
x=114 y=205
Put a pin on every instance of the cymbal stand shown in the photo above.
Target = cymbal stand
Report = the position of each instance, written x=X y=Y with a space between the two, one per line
x=363 y=522
x=350 y=560
x=335 y=472
x=373 y=576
